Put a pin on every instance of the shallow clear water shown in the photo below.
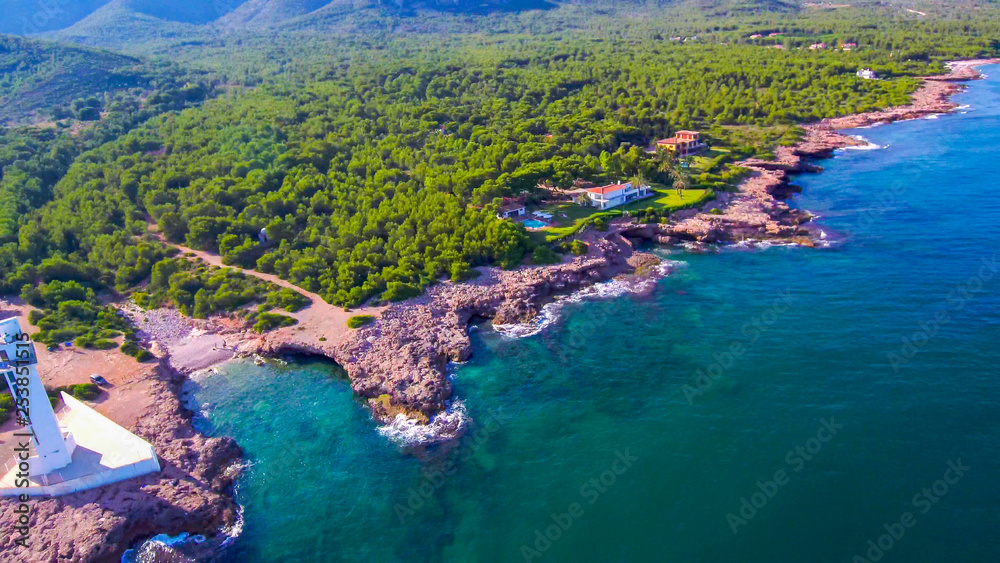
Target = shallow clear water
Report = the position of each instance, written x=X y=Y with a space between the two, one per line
x=791 y=337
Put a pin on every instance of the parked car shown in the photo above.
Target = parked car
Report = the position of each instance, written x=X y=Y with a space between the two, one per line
x=98 y=379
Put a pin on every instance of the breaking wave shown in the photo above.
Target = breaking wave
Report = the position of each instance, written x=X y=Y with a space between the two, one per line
x=868 y=146
x=613 y=288
x=445 y=426
x=759 y=245
x=234 y=531
x=163 y=547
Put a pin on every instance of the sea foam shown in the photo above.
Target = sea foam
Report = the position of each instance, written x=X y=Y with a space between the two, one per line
x=613 y=288
x=234 y=531
x=447 y=425
x=868 y=146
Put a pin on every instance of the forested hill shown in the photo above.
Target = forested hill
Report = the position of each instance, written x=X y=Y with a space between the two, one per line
x=380 y=180
x=37 y=75
x=375 y=159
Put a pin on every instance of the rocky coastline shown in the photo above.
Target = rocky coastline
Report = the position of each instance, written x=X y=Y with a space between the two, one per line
x=399 y=362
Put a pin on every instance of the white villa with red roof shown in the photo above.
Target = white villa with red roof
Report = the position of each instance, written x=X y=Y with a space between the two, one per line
x=606 y=197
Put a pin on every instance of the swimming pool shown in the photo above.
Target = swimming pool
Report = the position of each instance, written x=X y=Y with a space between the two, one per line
x=533 y=224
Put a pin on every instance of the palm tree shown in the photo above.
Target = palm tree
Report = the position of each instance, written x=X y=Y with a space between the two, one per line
x=681 y=177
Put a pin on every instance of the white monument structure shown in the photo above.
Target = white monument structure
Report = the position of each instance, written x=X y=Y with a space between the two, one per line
x=80 y=450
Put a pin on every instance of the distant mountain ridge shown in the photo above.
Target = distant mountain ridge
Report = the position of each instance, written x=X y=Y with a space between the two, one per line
x=79 y=18
x=265 y=13
x=117 y=24
x=26 y=17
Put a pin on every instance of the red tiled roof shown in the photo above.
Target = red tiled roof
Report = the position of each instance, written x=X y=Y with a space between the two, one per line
x=674 y=141
x=604 y=190
x=511 y=207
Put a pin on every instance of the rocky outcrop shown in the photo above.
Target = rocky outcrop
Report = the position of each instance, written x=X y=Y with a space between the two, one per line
x=404 y=354
x=190 y=494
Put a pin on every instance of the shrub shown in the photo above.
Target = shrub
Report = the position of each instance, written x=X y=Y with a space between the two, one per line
x=271 y=321
x=358 y=321
x=399 y=291
x=715 y=211
x=578 y=247
x=461 y=271
x=131 y=348
x=544 y=255
x=287 y=299
x=6 y=407
x=84 y=391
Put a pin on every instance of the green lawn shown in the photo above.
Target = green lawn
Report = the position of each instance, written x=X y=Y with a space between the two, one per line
x=667 y=199
x=575 y=215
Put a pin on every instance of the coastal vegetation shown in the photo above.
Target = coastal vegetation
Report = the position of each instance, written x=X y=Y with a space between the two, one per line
x=82 y=391
x=68 y=312
x=378 y=178
x=358 y=321
x=264 y=321
x=6 y=406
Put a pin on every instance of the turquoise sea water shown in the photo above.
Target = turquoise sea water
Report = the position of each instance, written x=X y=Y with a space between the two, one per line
x=599 y=432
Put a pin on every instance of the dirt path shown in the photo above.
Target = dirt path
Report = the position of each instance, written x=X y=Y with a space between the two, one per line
x=319 y=320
